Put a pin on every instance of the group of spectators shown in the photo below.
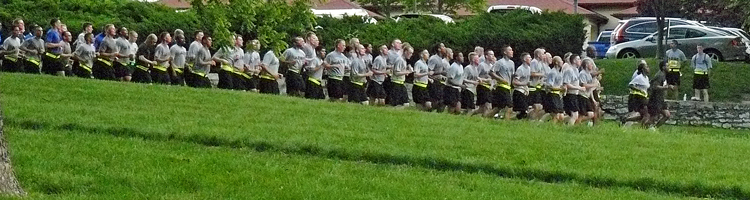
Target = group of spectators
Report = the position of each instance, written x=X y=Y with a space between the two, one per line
x=543 y=87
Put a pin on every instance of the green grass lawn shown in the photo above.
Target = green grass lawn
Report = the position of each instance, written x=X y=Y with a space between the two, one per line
x=79 y=165
x=729 y=80
x=683 y=161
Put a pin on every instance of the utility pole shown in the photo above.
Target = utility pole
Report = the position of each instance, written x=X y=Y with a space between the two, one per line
x=575 y=6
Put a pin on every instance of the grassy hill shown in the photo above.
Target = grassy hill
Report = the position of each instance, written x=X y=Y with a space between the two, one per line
x=75 y=138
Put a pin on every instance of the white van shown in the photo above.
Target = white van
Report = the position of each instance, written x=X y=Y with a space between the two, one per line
x=507 y=8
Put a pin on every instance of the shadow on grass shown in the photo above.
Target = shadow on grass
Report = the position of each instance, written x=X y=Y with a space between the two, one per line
x=644 y=184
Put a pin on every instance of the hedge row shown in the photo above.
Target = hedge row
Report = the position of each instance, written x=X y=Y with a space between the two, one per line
x=556 y=31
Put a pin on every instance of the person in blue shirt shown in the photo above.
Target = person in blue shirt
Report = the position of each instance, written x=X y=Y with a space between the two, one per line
x=99 y=37
x=53 y=42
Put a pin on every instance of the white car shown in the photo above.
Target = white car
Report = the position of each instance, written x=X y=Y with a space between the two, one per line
x=445 y=18
x=508 y=8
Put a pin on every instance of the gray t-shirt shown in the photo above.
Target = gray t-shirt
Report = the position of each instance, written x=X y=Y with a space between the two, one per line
x=455 y=74
x=393 y=56
x=675 y=55
x=398 y=67
x=471 y=73
x=238 y=58
x=340 y=61
x=108 y=45
x=358 y=67
x=554 y=79
x=523 y=74
x=504 y=68
x=311 y=72
x=570 y=76
x=701 y=62
x=537 y=66
x=271 y=62
x=297 y=55
x=161 y=52
x=203 y=55
x=252 y=59
x=66 y=50
x=86 y=53
x=585 y=78
x=12 y=45
x=34 y=44
x=194 y=48
x=123 y=46
x=178 y=56
x=421 y=68
x=379 y=64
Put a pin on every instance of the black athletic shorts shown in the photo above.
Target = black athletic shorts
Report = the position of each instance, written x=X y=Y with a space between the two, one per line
x=177 y=79
x=451 y=96
x=398 y=95
x=536 y=97
x=467 y=99
x=240 y=81
x=51 y=63
x=656 y=105
x=555 y=103
x=585 y=105
x=103 y=70
x=335 y=89
x=436 y=92
x=419 y=94
x=636 y=103
x=12 y=65
x=80 y=70
x=226 y=80
x=32 y=66
x=570 y=104
x=375 y=90
x=700 y=81
x=159 y=76
x=484 y=95
x=520 y=101
x=294 y=82
x=314 y=90
x=122 y=69
x=357 y=93
x=673 y=78
x=346 y=85
x=268 y=86
x=141 y=75
x=501 y=98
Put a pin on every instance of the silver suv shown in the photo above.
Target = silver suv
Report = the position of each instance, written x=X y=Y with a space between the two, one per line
x=638 y=28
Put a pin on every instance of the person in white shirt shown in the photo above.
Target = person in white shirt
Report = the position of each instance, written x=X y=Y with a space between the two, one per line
x=178 y=53
x=638 y=98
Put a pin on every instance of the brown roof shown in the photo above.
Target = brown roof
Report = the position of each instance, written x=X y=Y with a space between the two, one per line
x=565 y=6
x=176 y=4
x=630 y=12
x=605 y=2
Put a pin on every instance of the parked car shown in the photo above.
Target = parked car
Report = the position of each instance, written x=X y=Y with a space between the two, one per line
x=719 y=46
x=638 y=28
x=507 y=8
x=601 y=44
x=444 y=18
x=740 y=33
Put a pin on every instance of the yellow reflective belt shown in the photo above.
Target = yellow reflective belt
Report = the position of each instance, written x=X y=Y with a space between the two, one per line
x=397 y=82
x=86 y=67
x=486 y=85
x=105 y=61
x=178 y=70
x=442 y=82
x=420 y=84
x=295 y=71
x=335 y=77
x=503 y=85
x=639 y=93
x=313 y=80
x=200 y=73
x=532 y=89
x=160 y=68
x=358 y=83
x=11 y=58
x=701 y=72
x=51 y=55
x=269 y=77
x=673 y=65
x=226 y=67
x=557 y=92
x=32 y=60
x=142 y=67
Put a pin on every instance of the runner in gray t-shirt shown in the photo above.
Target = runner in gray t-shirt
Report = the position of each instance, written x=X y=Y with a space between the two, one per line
x=536 y=94
x=419 y=91
x=470 y=82
x=502 y=72
x=379 y=67
x=33 y=50
x=521 y=82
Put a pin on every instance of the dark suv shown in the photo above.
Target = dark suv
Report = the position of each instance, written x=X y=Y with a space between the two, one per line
x=638 y=28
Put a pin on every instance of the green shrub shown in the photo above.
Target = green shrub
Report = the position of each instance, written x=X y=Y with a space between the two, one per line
x=557 y=31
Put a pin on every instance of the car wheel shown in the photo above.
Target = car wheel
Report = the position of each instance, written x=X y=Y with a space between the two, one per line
x=714 y=55
x=628 y=53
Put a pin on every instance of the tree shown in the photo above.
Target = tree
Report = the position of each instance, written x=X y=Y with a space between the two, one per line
x=727 y=13
x=8 y=183
x=659 y=9
x=445 y=6
x=384 y=6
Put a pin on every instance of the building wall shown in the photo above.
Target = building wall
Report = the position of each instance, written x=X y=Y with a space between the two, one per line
x=607 y=12
x=592 y=30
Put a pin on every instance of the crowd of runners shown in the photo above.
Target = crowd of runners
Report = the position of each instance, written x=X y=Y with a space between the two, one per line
x=543 y=87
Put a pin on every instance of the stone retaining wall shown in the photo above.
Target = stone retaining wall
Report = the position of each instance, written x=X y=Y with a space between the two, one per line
x=715 y=114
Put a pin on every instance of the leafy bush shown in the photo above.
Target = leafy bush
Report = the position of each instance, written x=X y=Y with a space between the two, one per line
x=556 y=31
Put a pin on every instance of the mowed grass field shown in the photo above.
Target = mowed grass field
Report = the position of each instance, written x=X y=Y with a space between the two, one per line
x=75 y=138
x=729 y=80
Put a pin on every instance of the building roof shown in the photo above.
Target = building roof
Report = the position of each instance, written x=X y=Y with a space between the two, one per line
x=606 y=2
x=630 y=12
x=176 y=4
x=565 y=6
